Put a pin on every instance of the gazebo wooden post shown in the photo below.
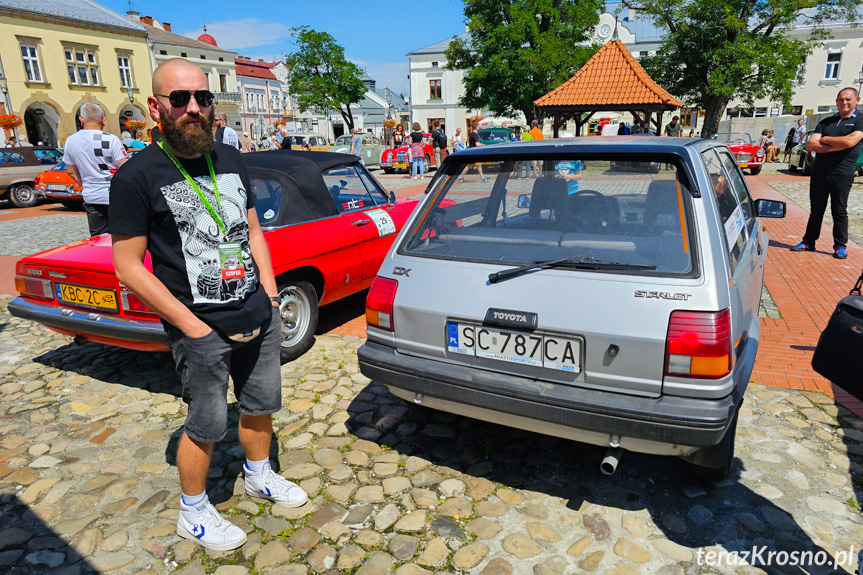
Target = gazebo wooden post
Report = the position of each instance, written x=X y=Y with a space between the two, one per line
x=555 y=124
x=659 y=115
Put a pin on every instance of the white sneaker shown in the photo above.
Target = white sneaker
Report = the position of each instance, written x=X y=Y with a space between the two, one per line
x=204 y=525
x=270 y=485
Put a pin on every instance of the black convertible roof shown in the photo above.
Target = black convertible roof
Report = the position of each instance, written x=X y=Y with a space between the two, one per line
x=290 y=161
x=305 y=196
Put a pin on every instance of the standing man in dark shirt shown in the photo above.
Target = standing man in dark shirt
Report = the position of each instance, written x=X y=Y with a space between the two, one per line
x=286 y=139
x=836 y=143
x=188 y=201
x=438 y=143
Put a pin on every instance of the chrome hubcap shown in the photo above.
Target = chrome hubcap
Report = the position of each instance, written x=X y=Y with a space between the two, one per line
x=295 y=311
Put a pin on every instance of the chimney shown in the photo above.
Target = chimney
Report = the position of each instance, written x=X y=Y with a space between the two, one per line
x=166 y=26
x=133 y=14
x=147 y=20
x=260 y=59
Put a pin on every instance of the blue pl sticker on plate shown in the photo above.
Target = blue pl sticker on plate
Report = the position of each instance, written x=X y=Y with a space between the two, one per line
x=452 y=334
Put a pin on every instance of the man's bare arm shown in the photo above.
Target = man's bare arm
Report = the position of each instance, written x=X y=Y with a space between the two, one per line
x=129 y=254
x=842 y=142
x=72 y=170
x=261 y=255
x=121 y=161
x=815 y=145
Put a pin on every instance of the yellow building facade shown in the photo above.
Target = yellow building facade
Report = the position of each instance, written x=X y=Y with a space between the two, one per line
x=57 y=55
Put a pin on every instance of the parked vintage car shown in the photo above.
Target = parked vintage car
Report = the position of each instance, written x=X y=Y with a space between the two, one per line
x=317 y=142
x=327 y=221
x=622 y=312
x=490 y=136
x=57 y=184
x=18 y=170
x=371 y=147
x=802 y=159
x=397 y=158
x=748 y=154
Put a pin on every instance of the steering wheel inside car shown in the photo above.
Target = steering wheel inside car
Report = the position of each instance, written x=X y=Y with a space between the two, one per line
x=591 y=211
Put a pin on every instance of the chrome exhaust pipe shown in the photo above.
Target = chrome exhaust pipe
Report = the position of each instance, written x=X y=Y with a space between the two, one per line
x=612 y=456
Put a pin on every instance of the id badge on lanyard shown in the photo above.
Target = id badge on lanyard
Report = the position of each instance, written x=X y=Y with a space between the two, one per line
x=231 y=260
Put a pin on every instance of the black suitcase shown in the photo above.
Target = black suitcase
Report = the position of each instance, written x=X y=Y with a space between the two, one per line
x=839 y=355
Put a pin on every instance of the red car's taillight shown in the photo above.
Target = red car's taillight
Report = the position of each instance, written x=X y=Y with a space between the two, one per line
x=37 y=180
x=131 y=302
x=379 y=303
x=34 y=287
x=698 y=344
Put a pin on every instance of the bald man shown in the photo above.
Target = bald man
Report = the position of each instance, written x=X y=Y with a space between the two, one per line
x=189 y=202
x=91 y=156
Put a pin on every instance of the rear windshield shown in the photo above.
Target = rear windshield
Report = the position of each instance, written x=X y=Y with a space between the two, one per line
x=594 y=210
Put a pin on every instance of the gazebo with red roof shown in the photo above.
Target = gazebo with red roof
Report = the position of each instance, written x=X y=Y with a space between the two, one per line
x=612 y=80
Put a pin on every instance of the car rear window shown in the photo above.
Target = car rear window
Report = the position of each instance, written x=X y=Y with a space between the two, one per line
x=268 y=193
x=48 y=157
x=595 y=210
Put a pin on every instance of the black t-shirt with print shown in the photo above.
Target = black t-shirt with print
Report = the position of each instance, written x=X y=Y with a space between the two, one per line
x=150 y=197
x=473 y=139
x=840 y=162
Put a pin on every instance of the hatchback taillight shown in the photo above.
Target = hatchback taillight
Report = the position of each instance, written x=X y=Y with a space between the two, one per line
x=698 y=344
x=34 y=287
x=379 y=303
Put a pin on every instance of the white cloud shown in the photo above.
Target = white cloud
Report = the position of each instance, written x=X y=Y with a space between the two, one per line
x=245 y=33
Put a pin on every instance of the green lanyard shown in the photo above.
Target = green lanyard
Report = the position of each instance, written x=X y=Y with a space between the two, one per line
x=195 y=187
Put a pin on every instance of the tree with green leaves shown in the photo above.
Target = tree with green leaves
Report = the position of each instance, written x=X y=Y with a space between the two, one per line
x=715 y=51
x=320 y=77
x=519 y=50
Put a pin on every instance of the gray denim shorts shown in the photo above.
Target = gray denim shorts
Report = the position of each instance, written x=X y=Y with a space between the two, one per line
x=204 y=364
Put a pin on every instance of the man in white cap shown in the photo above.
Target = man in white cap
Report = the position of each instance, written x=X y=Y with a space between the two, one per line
x=246 y=143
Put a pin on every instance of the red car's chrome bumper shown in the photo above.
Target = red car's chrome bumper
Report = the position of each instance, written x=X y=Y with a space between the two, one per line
x=140 y=334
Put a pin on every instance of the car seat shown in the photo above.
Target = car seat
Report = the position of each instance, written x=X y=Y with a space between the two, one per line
x=661 y=209
x=548 y=200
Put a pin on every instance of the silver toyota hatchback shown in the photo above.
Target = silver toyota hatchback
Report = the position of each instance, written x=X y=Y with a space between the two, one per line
x=568 y=288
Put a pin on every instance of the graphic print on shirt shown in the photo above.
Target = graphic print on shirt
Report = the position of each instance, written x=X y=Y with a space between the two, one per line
x=201 y=235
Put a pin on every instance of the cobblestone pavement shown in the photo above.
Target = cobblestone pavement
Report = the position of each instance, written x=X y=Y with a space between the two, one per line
x=28 y=236
x=88 y=479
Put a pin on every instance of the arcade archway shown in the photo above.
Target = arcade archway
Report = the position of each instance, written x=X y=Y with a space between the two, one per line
x=40 y=122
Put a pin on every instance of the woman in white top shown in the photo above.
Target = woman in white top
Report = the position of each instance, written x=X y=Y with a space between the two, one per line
x=457 y=142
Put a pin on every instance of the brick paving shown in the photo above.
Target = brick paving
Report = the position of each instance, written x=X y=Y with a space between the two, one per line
x=805 y=288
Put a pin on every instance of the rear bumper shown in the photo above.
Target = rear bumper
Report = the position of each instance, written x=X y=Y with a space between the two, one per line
x=60 y=195
x=91 y=325
x=667 y=419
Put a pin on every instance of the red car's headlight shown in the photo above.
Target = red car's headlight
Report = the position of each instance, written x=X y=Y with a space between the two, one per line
x=759 y=153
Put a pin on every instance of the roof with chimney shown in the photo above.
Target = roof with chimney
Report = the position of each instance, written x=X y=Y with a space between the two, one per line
x=77 y=11
x=611 y=80
x=161 y=36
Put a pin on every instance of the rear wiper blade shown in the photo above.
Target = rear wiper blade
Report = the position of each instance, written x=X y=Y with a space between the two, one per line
x=578 y=262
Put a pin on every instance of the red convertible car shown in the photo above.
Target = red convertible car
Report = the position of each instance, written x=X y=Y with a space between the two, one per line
x=397 y=158
x=328 y=223
x=748 y=155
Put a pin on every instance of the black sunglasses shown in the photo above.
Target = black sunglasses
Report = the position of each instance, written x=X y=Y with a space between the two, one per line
x=180 y=98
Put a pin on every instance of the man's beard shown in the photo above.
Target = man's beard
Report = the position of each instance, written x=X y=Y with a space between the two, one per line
x=185 y=138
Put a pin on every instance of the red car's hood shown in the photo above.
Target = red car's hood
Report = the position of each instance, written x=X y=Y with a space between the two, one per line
x=93 y=254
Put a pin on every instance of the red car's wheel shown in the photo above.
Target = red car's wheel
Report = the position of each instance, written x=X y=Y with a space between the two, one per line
x=299 y=311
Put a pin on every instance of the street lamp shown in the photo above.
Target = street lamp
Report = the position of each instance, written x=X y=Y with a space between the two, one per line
x=4 y=87
x=860 y=80
x=131 y=92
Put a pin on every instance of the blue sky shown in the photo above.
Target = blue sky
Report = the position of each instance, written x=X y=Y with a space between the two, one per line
x=375 y=35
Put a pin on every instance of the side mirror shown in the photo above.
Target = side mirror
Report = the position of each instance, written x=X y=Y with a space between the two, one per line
x=524 y=201
x=392 y=197
x=770 y=208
